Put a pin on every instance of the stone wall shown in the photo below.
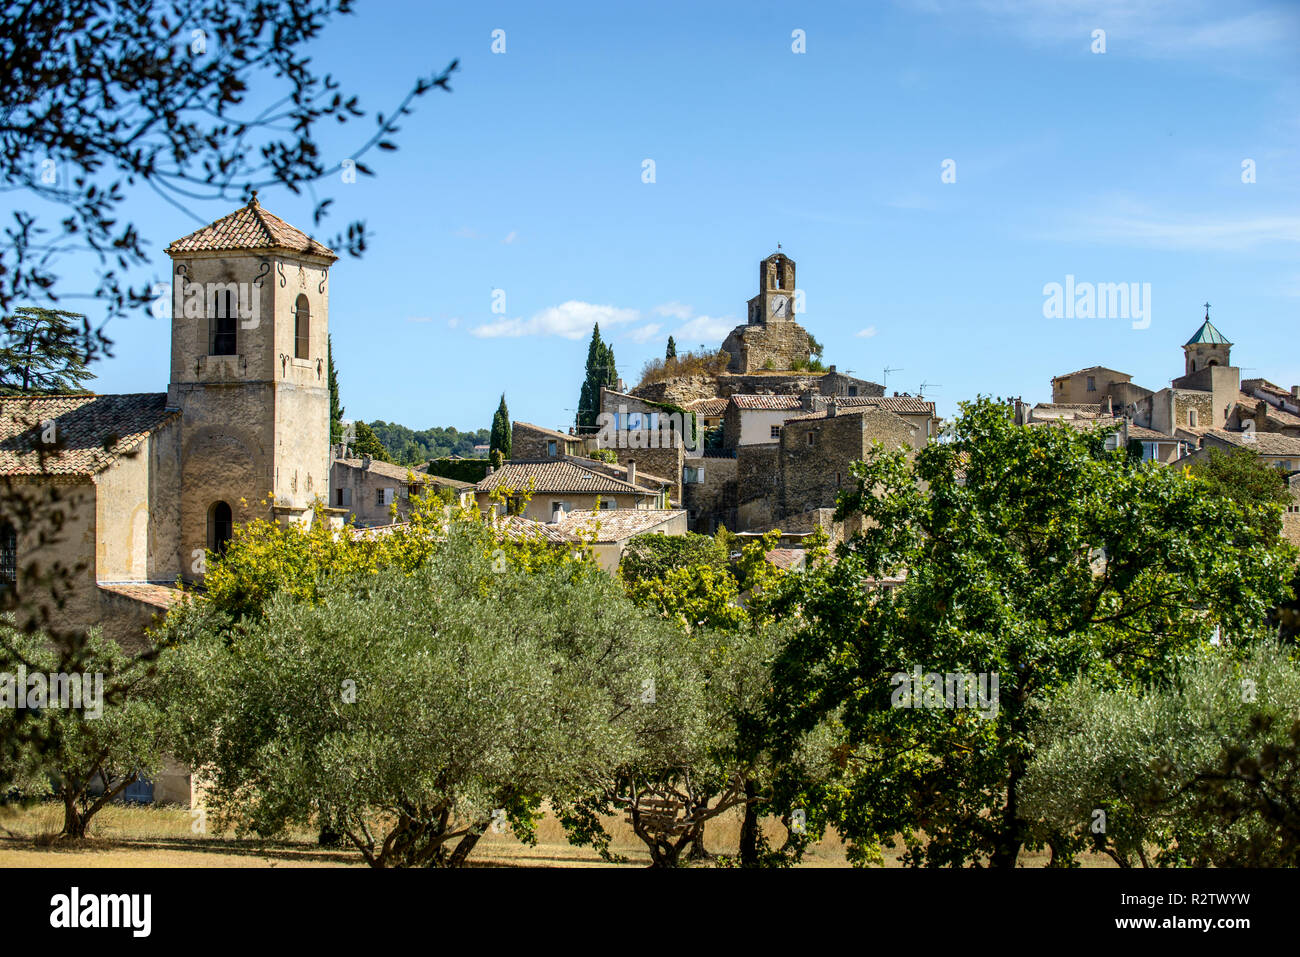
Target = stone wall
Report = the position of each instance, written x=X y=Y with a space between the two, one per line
x=712 y=502
x=533 y=442
x=817 y=454
x=777 y=344
x=664 y=463
x=757 y=485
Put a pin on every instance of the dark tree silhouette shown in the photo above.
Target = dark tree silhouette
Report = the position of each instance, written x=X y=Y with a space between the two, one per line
x=99 y=96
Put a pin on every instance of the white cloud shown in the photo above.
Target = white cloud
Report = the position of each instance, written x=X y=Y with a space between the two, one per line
x=569 y=320
x=1156 y=28
x=709 y=330
x=867 y=333
x=466 y=233
x=453 y=322
x=510 y=237
x=674 y=310
x=644 y=333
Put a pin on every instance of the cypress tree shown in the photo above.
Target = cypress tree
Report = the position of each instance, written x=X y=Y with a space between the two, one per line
x=336 y=407
x=600 y=372
x=500 y=440
x=672 y=349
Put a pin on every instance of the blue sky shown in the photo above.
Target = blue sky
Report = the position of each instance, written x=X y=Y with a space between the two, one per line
x=1123 y=166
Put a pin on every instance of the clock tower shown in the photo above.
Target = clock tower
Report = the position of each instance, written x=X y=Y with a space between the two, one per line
x=771 y=340
x=775 y=299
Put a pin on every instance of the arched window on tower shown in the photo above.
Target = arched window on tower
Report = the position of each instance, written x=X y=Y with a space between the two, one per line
x=221 y=324
x=301 y=328
x=221 y=527
x=8 y=556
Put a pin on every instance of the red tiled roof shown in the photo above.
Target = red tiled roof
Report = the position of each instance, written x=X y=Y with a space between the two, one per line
x=1265 y=443
x=903 y=404
x=786 y=558
x=616 y=524
x=249 y=227
x=554 y=476
x=148 y=593
x=706 y=406
x=761 y=403
x=90 y=431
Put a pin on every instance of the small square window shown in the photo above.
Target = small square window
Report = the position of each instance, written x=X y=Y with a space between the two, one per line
x=776 y=431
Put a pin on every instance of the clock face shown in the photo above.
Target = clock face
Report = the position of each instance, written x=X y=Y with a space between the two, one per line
x=779 y=305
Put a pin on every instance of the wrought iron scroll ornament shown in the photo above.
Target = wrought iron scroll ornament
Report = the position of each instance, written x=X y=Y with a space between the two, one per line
x=261 y=273
x=324 y=274
x=279 y=268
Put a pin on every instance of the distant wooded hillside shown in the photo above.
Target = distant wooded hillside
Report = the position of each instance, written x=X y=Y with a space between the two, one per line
x=409 y=447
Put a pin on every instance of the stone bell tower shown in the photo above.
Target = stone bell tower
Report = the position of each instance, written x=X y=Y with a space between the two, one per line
x=1207 y=347
x=250 y=317
x=771 y=340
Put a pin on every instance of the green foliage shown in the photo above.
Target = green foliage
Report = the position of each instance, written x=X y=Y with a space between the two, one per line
x=367 y=443
x=701 y=362
x=652 y=556
x=1201 y=771
x=812 y=364
x=336 y=406
x=267 y=558
x=1029 y=554
x=462 y=470
x=500 y=440
x=408 y=447
x=115 y=737
x=1242 y=476
x=406 y=708
x=43 y=351
x=600 y=371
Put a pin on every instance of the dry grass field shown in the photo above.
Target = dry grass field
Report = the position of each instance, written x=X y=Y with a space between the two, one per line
x=135 y=836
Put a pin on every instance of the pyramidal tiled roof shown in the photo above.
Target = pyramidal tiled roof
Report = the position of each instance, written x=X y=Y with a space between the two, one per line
x=90 y=431
x=250 y=227
x=1208 y=335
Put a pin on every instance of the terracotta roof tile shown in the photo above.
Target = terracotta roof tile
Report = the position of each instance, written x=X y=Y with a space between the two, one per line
x=90 y=431
x=249 y=227
x=149 y=593
x=706 y=406
x=766 y=403
x=555 y=476
x=903 y=404
x=616 y=524
x=1266 y=443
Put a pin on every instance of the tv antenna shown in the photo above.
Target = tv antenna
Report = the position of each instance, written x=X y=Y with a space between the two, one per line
x=889 y=369
x=925 y=385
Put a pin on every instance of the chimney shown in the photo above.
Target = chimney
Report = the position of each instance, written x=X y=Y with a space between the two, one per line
x=1295 y=391
x=365 y=462
x=1110 y=408
x=557 y=514
x=807 y=402
x=833 y=406
x=621 y=387
x=631 y=471
x=832 y=369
